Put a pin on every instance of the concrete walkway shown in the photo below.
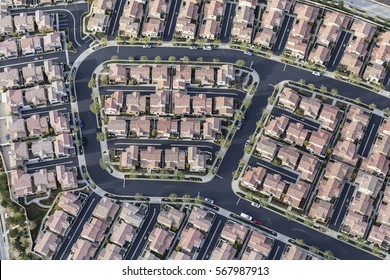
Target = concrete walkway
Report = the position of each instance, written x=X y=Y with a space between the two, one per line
x=38 y=200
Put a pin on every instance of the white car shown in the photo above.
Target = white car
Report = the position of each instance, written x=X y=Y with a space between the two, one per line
x=246 y=216
x=316 y=73
x=239 y=126
x=247 y=143
x=207 y=48
x=193 y=47
x=146 y=46
x=208 y=200
x=254 y=204
x=248 y=53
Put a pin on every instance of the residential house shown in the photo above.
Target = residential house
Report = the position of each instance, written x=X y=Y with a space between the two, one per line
x=296 y=194
x=53 y=71
x=37 y=125
x=306 y=12
x=106 y=209
x=293 y=252
x=63 y=145
x=329 y=189
x=310 y=107
x=151 y=158
x=329 y=117
x=202 y=105
x=368 y=184
x=35 y=96
x=354 y=224
x=376 y=163
x=117 y=127
x=170 y=217
x=363 y=29
x=352 y=131
x=32 y=74
x=97 y=23
x=16 y=128
x=205 y=75
x=212 y=128
x=253 y=177
x=338 y=170
x=47 y=244
x=200 y=219
x=18 y=154
x=289 y=156
x=6 y=24
x=114 y=103
x=320 y=210
x=196 y=160
x=10 y=78
x=289 y=98
x=346 y=152
x=276 y=127
x=296 y=134
x=43 y=148
x=58 y=222
x=110 y=252
x=24 y=23
x=14 y=101
x=190 y=128
x=273 y=185
x=93 y=230
x=362 y=204
x=159 y=102
x=132 y=214
x=44 y=180
x=118 y=73
x=225 y=75
x=8 y=49
x=258 y=247
x=383 y=213
x=266 y=147
x=181 y=103
x=223 y=251
x=52 y=42
x=140 y=73
x=129 y=157
x=44 y=21
x=234 y=232
x=160 y=240
x=83 y=250
x=122 y=233
x=135 y=103
x=56 y=92
x=320 y=55
x=224 y=106
x=175 y=159
x=140 y=126
x=319 y=142
x=167 y=127
x=67 y=177
x=59 y=122
x=190 y=240
x=30 y=45
x=309 y=166
x=380 y=235
x=70 y=203
x=21 y=184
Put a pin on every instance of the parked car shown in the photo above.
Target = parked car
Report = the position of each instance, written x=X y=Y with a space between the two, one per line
x=248 y=53
x=147 y=46
x=316 y=73
x=81 y=123
x=247 y=143
x=208 y=200
x=207 y=48
x=254 y=204
x=257 y=222
x=246 y=216
x=193 y=47
x=239 y=126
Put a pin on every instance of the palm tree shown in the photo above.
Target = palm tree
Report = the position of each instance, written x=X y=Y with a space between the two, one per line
x=172 y=58
x=199 y=59
x=372 y=106
x=357 y=100
x=143 y=58
x=300 y=242
x=240 y=63
x=328 y=255
x=334 y=92
x=323 y=89
x=311 y=86
x=246 y=103
x=185 y=59
x=100 y=136
x=301 y=82
x=172 y=197
x=114 y=57
x=186 y=198
x=138 y=196
x=215 y=60
x=157 y=59
x=198 y=199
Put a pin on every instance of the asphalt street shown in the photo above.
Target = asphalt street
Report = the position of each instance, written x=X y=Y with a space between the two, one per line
x=52 y=164
x=338 y=50
x=212 y=237
x=227 y=22
x=342 y=206
x=174 y=8
x=308 y=124
x=369 y=135
x=284 y=32
x=277 y=250
x=270 y=73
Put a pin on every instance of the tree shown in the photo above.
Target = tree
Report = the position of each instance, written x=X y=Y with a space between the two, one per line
x=154 y=133
x=357 y=100
x=246 y=103
x=138 y=196
x=328 y=255
x=130 y=58
x=199 y=59
x=100 y=136
x=238 y=116
x=95 y=107
x=372 y=106
x=172 y=58
x=300 y=242
x=103 y=164
x=215 y=60
x=172 y=197
x=323 y=89
x=313 y=250
x=243 y=46
x=249 y=195
x=114 y=57
x=271 y=99
x=91 y=83
x=311 y=86
x=334 y=92
x=240 y=63
x=31 y=225
x=143 y=58
x=157 y=59
x=198 y=199
x=263 y=202
x=186 y=198
x=145 y=40
x=179 y=175
x=104 y=79
x=341 y=4
x=386 y=111
x=131 y=40
x=185 y=59
x=103 y=41
x=301 y=82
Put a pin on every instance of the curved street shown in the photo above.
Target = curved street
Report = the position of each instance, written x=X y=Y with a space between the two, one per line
x=219 y=189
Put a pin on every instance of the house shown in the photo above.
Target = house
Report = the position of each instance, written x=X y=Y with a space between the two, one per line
x=339 y=20
x=43 y=148
x=295 y=47
x=132 y=214
x=190 y=240
x=253 y=177
x=368 y=184
x=310 y=107
x=140 y=73
x=160 y=240
x=181 y=103
x=276 y=127
x=58 y=222
x=157 y=8
x=319 y=55
x=14 y=101
x=234 y=232
x=271 y=19
x=37 y=125
x=56 y=92
x=306 y=12
x=52 y=42
x=382 y=145
x=376 y=163
x=159 y=73
x=140 y=126
x=223 y=251
x=354 y=224
x=24 y=23
x=35 y=96
x=380 y=235
x=159 y=102
x=114 y=103
x=382 y=48
x=339 y=171
x=258 y=243
x=129 y=158
x=362 y=29
x=110 y=252
x=44 y=180
x=69 y=203
x=106 y=209
x=151 y=158
x=289 y=98
x=32 y=74
x=83 y=250
x=358 y=47
x=10 y=78
x=296 y=134
x=93 y=230
x=210 y=29
x=213 y=10
x=20 y=182
x=170 y=217
x=147 y=255
x=179 y=256
x=129 y=24
x=205 y=75
x=362 y=204
x=212 y=128
x=152 y=28
x=296 y=194
x=329 y=189
x=266 y=147
x=67 y=177
x=183 y=74
x=346 y=152
x=374 y=73
x=327 y=35
x=319 y=142
x=320 y=210
x=289 y=156
x=266 y=37
x=383 y=212
x=309 y=166
x=63 y=145
x=352 y=131
x=385 y=127
x=97 y=23
x=135 y=103
x=59 y=122
x=241 y=32
x=122 y=233
x=351 y=62
x=117 y=127
x=8 y=49
x=273 y=185
x=225 y=74
x=293 y=252
x=16 y=127
x=53 y=71
x=30 y=45
x=167 y=127
x=329 y=117
x=224 y=106
x=202 y=105
x=200 y=219
x=6 y=24
x=44 y=21
x=175 y=159
x=196 y=160
x=18 y=154
x=47 y=244
x=118 y=73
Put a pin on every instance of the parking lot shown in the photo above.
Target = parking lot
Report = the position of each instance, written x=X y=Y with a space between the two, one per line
x=342 y=206
x=338 y=50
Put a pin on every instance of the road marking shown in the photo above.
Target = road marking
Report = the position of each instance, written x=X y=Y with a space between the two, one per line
x=271 y=85
x=27 y=62
x=66 y=248
x=116 y=18
x=277 y=249
x=278 y=171
x=284 y=33
x=238 y=200
x=365 y=146
x=284 y=68
x=212 y=237
x=117 y=49
x=227 y=22
x=124 y=183
x=341 y=46
x=338 y=216
x=154 y=212
x=220 y=177
x=170 y=25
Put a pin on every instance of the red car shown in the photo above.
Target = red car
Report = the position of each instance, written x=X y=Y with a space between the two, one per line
x=257 y=222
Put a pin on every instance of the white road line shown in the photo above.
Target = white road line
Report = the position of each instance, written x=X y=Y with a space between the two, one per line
x=284 y=68
x=46 y=111
x=70 y=241
x=27 y=62
x=123 y=143
x=341 y=46
x=48 y=165
x=277 y=249
x=173 y=16
x=220 y=177
x=124 y=183
x=116 y=18
x=365 y=146
x=270 y=168
x=212 y=237
x=345 y=197
x=227 y=22
x=238 y=200
x=284 y=33
x=136 y=249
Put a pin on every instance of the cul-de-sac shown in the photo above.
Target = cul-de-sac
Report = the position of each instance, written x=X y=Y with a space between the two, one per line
x=194 y=130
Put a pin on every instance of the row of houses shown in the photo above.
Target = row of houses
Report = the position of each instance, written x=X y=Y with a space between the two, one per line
x=25 y=23
x=165 y=102
x=23 y=184
x=153 y=158
x=30 y=44
x=100 y=15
